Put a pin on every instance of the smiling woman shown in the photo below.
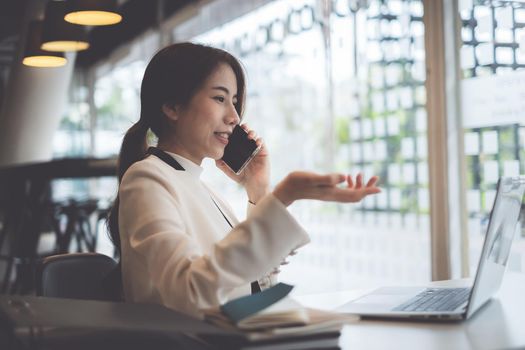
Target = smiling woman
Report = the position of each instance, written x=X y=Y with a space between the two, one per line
x=203 y=126
x=180 y=243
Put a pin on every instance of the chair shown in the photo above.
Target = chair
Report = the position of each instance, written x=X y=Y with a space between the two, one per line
x=80 y=276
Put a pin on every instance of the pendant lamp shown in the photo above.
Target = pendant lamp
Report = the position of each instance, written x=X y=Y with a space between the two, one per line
x=59 y=35
x=34 y=56
x=93 y=12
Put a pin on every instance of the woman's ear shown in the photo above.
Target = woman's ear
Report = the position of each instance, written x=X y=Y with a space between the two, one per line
x=170 y=111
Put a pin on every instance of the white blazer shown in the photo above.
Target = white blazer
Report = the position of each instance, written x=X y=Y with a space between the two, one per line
x=177 y=248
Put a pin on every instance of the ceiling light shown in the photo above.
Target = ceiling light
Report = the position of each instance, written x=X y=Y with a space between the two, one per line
x=34 y=56
x=93 y=12
x=59 y=35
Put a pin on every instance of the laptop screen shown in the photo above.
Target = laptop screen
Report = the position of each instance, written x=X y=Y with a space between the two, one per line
x=498 y=240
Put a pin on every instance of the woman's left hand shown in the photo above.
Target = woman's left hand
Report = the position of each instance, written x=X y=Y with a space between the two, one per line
x=256 y=176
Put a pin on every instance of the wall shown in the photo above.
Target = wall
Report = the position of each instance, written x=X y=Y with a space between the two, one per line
x=34 y=100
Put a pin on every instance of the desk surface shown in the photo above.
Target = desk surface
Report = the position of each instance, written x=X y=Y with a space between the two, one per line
x=499 y=324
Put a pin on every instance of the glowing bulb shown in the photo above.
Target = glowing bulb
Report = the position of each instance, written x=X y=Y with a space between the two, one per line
x=65 y=46
x=44 y=61
x=93 y=18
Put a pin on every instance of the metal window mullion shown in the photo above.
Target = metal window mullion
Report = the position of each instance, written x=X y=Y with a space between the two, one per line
x=91 y=78
x=457 y=166
x=326 y=10
x=437 y=138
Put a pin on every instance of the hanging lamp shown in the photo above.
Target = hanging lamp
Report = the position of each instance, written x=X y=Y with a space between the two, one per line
x=93 y=12
x=59 y=35
x=34 y=56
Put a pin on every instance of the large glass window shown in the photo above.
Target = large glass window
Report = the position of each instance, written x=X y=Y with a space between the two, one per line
x=492 y=57
x=72 y=139
x=339 y=85
x=117 y=102
x=334 y=86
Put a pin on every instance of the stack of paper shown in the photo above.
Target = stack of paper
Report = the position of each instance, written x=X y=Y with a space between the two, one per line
x=273 y=320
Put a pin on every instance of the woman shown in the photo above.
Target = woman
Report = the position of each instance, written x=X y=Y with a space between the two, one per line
x=180 y=243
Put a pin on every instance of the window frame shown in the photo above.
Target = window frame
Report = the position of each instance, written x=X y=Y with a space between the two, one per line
x=448 y=213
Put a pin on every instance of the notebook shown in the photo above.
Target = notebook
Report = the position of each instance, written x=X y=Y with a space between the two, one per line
x=274 y=312
x=455 y=303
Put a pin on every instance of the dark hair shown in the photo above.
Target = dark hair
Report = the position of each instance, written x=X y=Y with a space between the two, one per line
x=173 y=76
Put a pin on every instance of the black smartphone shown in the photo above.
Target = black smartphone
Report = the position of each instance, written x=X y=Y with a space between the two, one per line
x=239 y=150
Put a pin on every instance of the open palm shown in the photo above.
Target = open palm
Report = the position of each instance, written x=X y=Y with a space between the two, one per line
x=308 y=185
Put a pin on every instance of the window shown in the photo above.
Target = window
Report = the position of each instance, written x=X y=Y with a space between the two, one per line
x=72 y=139
x=346 y=96
x=492 y=56
x=337 y=85
x=117 y=102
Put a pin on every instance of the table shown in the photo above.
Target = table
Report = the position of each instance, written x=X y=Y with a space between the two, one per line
x=24 y=199
x=499 y=324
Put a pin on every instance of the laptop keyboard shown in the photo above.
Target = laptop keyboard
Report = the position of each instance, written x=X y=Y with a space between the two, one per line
x=436 y=299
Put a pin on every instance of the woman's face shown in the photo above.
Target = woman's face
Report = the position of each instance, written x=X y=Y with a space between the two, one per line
x=203 y=126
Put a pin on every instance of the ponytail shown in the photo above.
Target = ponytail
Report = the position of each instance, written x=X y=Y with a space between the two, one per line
x=133 y=149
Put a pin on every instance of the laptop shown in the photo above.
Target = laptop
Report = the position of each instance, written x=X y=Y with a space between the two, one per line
x=441 y=303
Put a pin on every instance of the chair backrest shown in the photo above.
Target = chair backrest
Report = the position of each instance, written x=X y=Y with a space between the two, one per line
x=80 y=276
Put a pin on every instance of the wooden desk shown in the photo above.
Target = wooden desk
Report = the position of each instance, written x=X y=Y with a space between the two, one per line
x=499 y=324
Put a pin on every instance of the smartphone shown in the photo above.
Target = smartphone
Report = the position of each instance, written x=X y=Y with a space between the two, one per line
x=239 y=150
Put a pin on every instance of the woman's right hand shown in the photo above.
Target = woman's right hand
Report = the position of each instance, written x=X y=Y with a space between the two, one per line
x=307 y=185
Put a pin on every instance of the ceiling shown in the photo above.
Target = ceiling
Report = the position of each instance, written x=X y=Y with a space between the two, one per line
x=138 y=16
x=11 y=20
